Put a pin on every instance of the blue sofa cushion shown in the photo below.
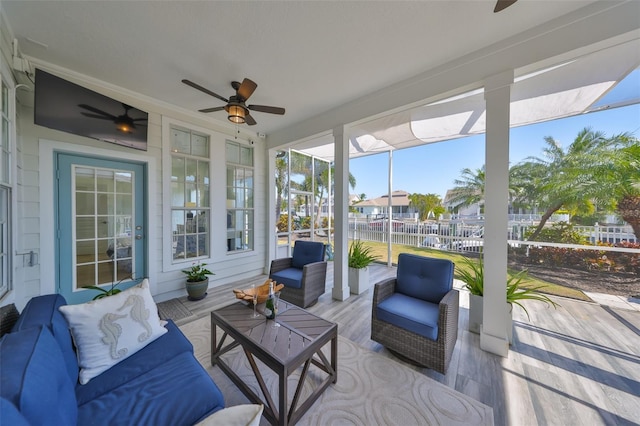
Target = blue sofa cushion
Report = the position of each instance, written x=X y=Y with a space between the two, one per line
x=415 y=315
x=290 y=277
x=307 y=252
x=154 y=355
x=34 y=377
x=424 y=277
x=179 y=393
x=43 y=310
x=9 y=414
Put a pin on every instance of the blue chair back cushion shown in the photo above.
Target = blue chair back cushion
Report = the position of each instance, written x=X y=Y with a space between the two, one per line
x=43 y=310
x=290 y=277
x=411 y=314
x=305 y=252
x=424 y=278
x=34 y=378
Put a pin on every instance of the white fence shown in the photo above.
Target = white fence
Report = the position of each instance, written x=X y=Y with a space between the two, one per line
x=465 y=235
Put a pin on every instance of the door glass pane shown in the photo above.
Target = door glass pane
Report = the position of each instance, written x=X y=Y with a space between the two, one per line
x=85 y=180
x=85 y=275
x=191 y=170
x=203 y=172
x=124 y=184
x=104 y=180
x=106 y=203
x=85 y=251
x=103 y=225
x=85 y=227
x=85 y=203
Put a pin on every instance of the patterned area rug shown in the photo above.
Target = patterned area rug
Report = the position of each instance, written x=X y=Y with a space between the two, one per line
x=173 y=309
x=371 y=389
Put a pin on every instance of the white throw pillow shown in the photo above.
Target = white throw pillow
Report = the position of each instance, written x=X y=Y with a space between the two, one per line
x=238 y=415
x=108 y=330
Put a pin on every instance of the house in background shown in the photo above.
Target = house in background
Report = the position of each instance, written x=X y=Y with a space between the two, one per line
x=376 y=208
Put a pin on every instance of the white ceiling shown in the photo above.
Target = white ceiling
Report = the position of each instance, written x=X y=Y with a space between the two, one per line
x=308 y=57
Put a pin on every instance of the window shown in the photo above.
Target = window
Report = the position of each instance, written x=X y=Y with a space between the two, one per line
x=239 y=197
x=5 y=189
x=190 y=183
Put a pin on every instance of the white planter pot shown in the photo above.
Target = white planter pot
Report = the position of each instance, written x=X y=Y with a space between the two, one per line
x=358 y=280
x=476 y=312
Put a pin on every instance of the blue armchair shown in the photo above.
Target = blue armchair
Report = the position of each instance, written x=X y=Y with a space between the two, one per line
x=303 y=275
x=416 y=313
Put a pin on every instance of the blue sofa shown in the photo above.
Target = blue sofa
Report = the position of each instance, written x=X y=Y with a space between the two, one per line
x=162 y=384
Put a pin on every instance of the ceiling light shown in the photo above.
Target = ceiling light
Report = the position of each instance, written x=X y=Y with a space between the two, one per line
x=236 y=113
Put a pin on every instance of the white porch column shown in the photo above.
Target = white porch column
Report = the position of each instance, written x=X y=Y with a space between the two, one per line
x=493 y=336
x=340 y=263
x=272 y=238
x=390 y=210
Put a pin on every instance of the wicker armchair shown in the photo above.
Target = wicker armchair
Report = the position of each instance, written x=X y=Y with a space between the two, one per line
x=303 y=275
x=416 y=313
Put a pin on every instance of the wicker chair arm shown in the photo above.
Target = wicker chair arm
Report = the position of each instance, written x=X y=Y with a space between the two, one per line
x=278 y=265
x=448 y=316
x=382 y=290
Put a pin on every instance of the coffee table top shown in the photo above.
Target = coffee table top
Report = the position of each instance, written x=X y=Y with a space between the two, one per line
x=299 y=330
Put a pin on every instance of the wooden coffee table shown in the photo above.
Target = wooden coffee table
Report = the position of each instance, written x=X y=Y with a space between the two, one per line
x=297 y=342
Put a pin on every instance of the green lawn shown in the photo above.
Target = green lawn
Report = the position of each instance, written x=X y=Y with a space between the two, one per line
x=380 y=249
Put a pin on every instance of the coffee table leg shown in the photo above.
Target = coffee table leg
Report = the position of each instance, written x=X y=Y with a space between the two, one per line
x=283 y=413
x=334 y=358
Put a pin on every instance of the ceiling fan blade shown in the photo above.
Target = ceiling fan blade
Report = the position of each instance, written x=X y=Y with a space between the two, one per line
x=101 y=117
x=139 y=119
x=202 y=89
x=211 y=109
x=97 y=111
x=266 y=108
x=249 y=120
x=503 y=4
x=246 y=89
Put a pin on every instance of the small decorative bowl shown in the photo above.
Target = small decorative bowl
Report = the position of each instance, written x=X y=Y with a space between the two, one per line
x=262 y=291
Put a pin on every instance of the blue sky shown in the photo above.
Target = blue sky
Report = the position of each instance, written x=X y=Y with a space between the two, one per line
x=432 y=168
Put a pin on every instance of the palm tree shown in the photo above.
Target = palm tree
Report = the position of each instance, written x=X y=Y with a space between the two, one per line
x=616 y=172
x=469 y=188
x=425 y=204
x=568 y=178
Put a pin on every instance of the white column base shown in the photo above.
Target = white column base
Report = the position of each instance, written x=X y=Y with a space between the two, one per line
x=494 y=344
x=341 y=293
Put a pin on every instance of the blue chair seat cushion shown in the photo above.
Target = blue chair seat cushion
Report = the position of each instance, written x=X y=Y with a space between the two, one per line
x=290 y=277
x=35 y=379
x=409 y=313
x=176 y=394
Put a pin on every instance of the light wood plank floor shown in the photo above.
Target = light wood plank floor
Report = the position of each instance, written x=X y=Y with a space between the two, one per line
x=575 y=365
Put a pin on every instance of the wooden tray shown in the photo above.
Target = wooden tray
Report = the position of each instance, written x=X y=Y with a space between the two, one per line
x=262 y=291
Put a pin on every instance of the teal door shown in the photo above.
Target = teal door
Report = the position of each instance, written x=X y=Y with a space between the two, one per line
x=100 y=215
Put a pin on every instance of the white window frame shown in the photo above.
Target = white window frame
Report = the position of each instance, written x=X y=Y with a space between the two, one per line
x=168 y=263
x=10 y=213
x=249 y=230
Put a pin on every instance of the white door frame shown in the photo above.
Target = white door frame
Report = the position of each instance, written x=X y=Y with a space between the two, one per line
x=47 y=150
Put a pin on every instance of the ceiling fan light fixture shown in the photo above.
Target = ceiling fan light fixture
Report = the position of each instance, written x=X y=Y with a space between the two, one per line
x=236 y=114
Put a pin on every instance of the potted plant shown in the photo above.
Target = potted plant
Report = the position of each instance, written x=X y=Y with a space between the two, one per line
x=360 y=257
x=197 y=281
x=473 y=276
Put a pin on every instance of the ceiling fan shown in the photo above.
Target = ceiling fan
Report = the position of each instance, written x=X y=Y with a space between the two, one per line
x=503 y=4
x=124 y=122
x=236 y=108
